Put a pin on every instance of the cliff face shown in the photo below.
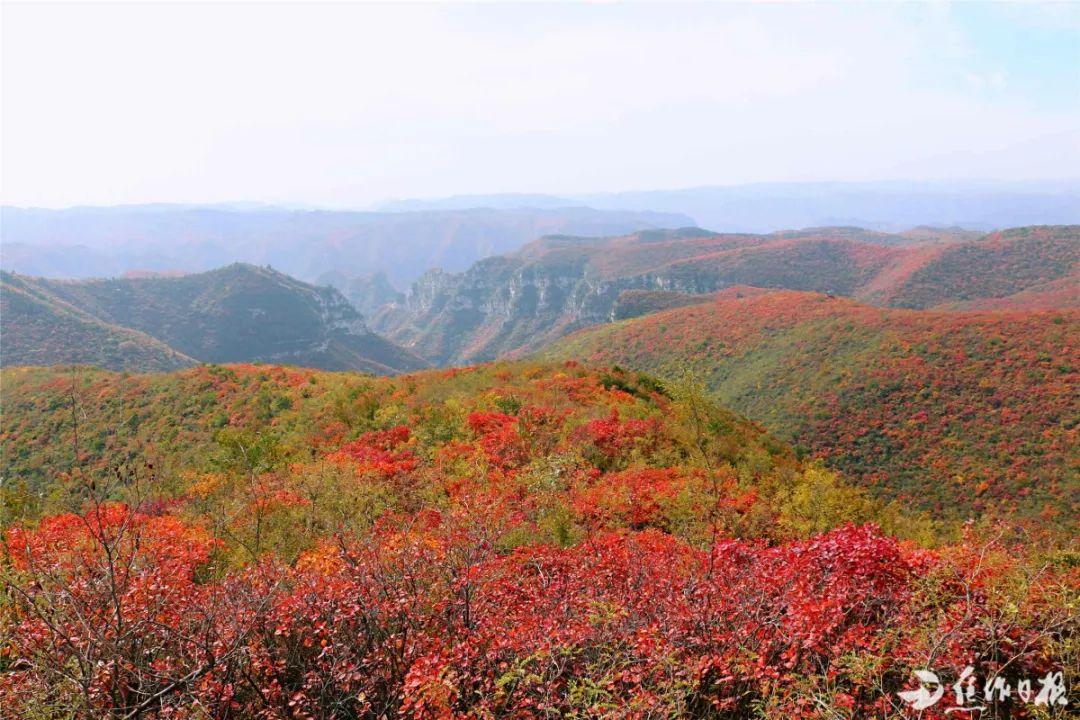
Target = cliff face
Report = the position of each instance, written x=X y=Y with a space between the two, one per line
x=367 y=293
x=453 y=319
x=512 y=304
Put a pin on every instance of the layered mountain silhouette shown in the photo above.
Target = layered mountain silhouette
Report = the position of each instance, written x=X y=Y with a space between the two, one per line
x=307 y=244
x=769 y=207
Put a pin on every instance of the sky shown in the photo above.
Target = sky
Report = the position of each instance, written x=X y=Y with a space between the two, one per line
x=349 y=105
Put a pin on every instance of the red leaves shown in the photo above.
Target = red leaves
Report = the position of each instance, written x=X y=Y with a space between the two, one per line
x=631 y=498
x=566 y=557
x=510 y=442
x=112 y=600
x=485 y=423
x=429 y=621
x=614 y=439
x=906 y=401
x=380 y=452
x=498 y=437
x=72 y=543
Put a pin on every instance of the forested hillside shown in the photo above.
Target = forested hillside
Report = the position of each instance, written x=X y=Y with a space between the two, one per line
x=175 y=421
x=955 y=412
x=1022 y=262
x=38 y=328
x=345 y=374
x=236 y=313
x=505 y=540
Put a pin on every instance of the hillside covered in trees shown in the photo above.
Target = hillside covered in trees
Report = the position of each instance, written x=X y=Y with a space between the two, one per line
x=540 y=361
x=233 y=314
x=511 y=540
x=39 y=328
x=956 y=412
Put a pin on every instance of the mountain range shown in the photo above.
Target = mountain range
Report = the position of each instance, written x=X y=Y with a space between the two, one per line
x=768 y=207
x=403 y=239
x=516 y=303
x=933 y=366
x=312 y=245
x=238 y=313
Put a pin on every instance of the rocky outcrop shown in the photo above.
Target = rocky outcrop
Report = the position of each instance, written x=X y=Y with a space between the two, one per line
x=512 y=304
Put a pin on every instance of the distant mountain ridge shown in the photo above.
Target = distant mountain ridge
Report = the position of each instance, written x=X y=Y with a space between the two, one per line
x=1038 y=260
x=107 y=242
x=238 y=313
x=769 y=207
x=512 y=304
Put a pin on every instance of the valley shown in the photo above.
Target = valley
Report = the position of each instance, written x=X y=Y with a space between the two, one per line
x=540 y=360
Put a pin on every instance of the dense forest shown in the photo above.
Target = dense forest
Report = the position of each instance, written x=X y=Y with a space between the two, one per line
x=511 y=540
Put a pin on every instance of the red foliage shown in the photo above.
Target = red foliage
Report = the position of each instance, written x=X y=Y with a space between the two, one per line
x=520 y=564
x=615 y=439
x=380 y=452
x=631 y=498
x=433 y=622
x=961 y=413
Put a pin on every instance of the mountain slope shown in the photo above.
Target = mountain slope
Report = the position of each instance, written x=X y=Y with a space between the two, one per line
x=1010 y=262
x=1052 y=295
x=237 y=313
x=473 y=543
x=952 y=411
x=38 y=328
x=172 y=420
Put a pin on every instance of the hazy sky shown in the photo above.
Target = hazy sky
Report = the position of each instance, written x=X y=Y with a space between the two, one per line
x=348 y=105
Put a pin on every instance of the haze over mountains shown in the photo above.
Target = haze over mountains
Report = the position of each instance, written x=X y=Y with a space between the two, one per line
x=620 y=439
x=404 y=239
x=768 y=207
x=308 y=244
